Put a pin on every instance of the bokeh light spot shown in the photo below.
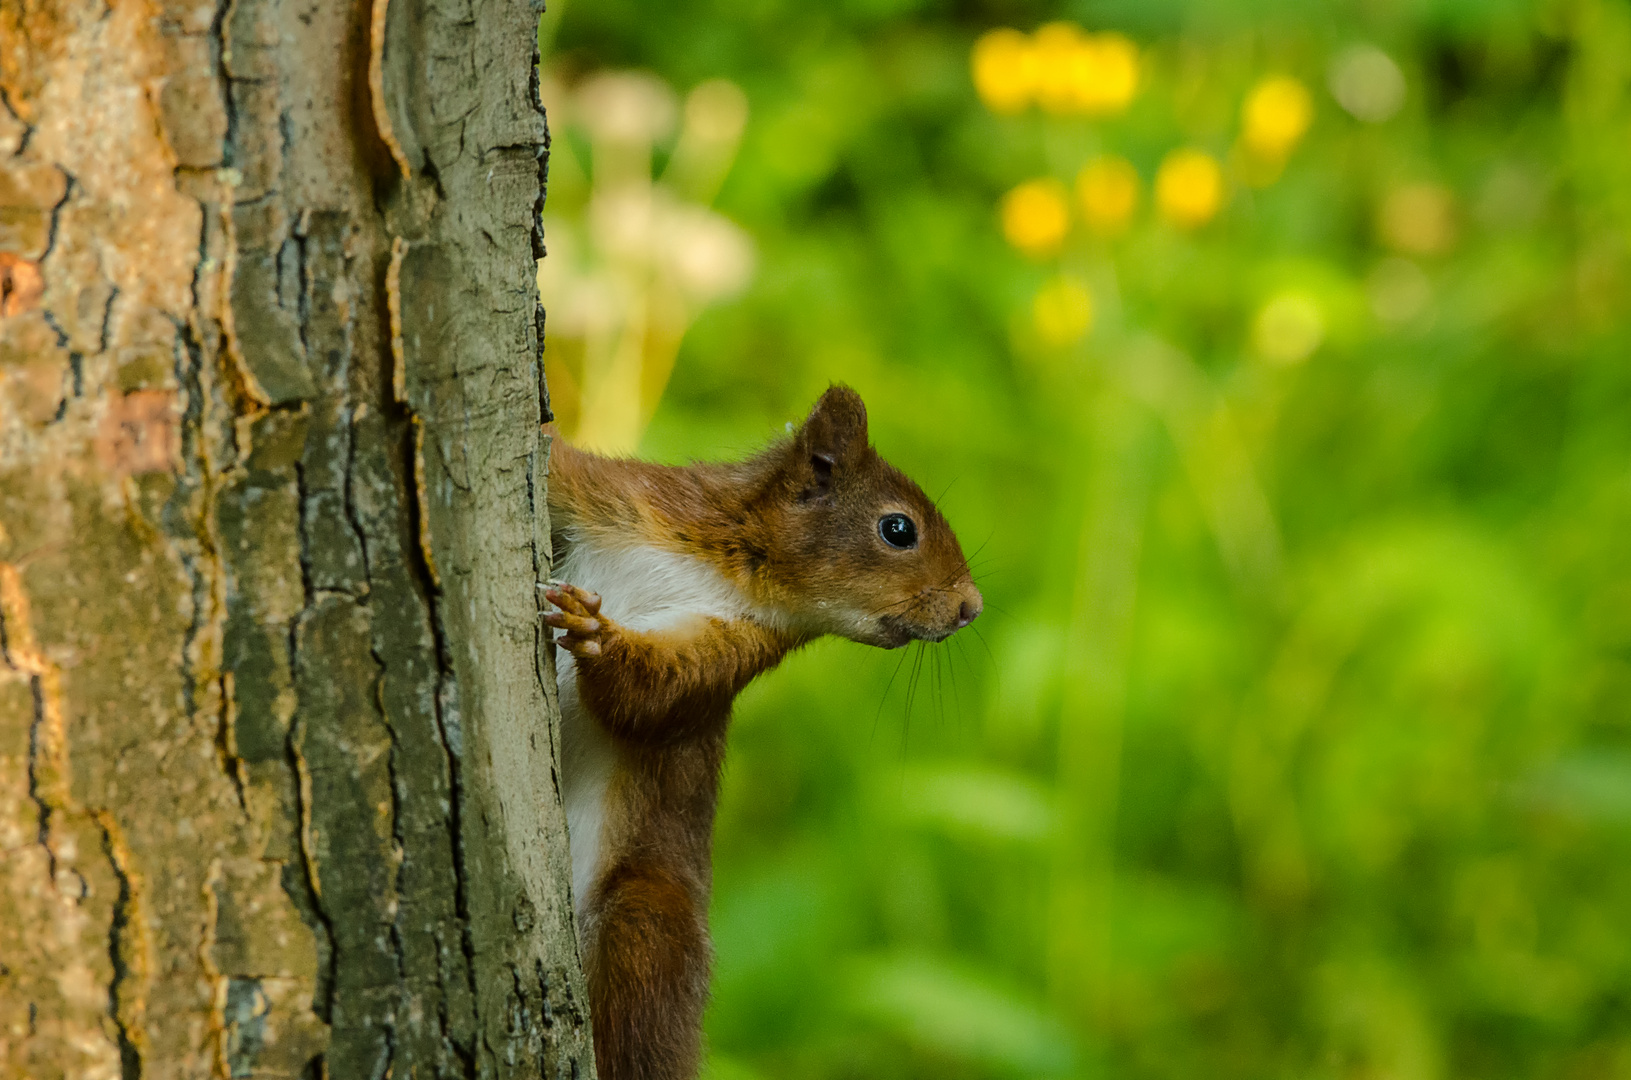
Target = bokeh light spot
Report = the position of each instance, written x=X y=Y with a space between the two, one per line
x=1062 y=311
x=1060 y=49
x=1418 y=219
x=717 y=110
x=1005 y=70
x=1398 y=290
x=1288 y=329
x=626 y=107
x=1277 y=114
x=1036 y=216
x=1366 y=82
x=1081 y=73
x=1107 y=191
x=1189 y=188
x=1105 y=74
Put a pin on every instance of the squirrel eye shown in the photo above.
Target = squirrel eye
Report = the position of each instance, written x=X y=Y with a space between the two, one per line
x=897 y=531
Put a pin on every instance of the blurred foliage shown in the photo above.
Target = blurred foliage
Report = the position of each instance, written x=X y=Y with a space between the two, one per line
x=1284 y=402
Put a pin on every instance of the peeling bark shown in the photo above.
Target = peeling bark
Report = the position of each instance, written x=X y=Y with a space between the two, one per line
x=277 y=731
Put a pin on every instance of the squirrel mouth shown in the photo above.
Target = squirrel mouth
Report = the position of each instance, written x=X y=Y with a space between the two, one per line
x=901 y=631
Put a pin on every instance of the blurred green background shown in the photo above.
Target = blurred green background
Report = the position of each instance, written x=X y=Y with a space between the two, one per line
x=1296 y=739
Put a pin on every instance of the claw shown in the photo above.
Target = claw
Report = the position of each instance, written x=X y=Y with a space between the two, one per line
x=580 y=617
x=576 y=624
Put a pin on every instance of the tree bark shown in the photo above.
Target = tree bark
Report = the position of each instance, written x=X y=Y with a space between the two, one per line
x=278 y=793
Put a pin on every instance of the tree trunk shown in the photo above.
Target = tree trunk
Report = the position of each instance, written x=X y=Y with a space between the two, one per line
x=277 y=732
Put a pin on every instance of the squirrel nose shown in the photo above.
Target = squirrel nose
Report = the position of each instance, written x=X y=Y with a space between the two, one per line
x=967 y=613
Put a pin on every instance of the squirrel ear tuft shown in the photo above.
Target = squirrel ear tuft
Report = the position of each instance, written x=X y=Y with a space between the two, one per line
x=832 y=435
x=836 y=427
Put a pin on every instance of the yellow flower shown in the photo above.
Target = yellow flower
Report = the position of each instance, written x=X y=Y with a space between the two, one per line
x=1107 y=190
x=1189 y=188
x=1276 y=115
x=1096 y=74
x=1062 y=311
x=1036 y=216
x=1105 y=74
x=1060 y=50
x=1005 y=70
x=1060 y=67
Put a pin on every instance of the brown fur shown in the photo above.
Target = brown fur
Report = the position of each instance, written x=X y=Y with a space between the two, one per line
x=795 y=532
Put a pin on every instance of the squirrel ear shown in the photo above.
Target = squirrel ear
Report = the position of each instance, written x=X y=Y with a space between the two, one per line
x=836 y=427
x=833 y=433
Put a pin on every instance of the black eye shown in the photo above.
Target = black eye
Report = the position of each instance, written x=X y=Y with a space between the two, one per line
x=897 y=531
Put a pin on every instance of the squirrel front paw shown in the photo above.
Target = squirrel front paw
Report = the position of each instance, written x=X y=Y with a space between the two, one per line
x=587 y=630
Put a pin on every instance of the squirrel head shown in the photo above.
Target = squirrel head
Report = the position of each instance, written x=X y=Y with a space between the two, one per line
x=859 y=550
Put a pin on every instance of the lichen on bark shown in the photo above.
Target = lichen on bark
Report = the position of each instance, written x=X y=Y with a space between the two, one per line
x=277 y=786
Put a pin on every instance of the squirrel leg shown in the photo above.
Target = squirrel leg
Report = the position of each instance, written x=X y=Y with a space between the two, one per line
x=648 y=973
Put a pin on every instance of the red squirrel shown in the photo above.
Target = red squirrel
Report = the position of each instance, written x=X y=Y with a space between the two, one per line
x=684 y=583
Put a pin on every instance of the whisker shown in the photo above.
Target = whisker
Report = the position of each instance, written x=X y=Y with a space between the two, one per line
x=889 y=607
x=934 y=682
x=884 y=700
x=911 y=695
x=995 y=667
x=975 y=554
x=915 y=598
x=911 y=691
x=963 y=652
x=943 y=662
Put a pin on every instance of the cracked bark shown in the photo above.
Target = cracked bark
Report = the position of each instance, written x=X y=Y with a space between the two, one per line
x=277 y=735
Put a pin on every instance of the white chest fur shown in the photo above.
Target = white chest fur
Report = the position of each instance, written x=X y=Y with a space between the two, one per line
x=641 y=588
